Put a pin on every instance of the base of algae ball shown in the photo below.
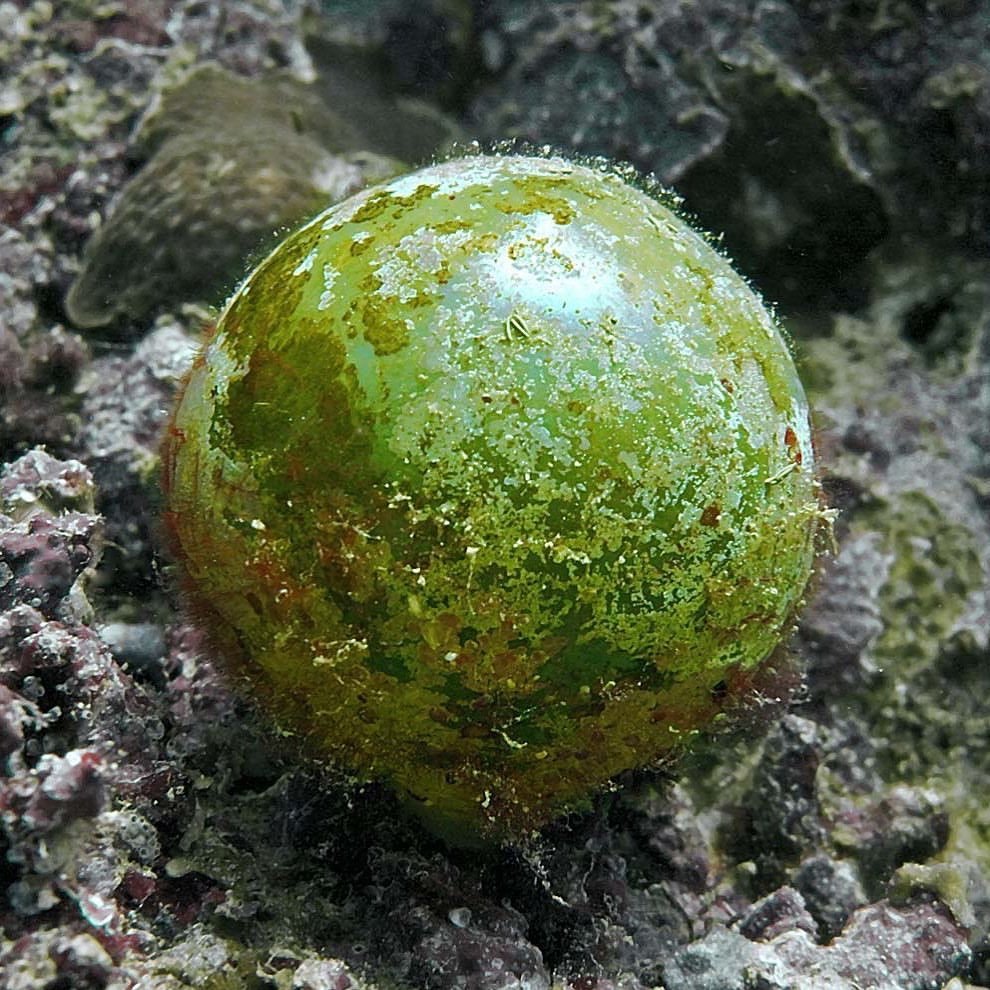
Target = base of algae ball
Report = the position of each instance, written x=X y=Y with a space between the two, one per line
x=494 y=481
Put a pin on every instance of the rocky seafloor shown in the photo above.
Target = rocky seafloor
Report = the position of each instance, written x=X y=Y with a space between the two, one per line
x=156 y=834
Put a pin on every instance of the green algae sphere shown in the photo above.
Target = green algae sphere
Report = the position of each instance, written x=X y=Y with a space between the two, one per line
x=494 y=481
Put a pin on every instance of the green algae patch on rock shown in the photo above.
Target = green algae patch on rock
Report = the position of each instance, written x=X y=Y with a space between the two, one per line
x=494 y=481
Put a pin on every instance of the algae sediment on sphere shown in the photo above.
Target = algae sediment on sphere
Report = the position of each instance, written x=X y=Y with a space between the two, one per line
x=495 y=481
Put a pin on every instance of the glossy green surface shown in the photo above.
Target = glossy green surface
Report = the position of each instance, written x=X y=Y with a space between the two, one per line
x=495 y=481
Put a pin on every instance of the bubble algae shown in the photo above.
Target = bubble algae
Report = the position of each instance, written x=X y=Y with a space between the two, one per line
x=494 y=481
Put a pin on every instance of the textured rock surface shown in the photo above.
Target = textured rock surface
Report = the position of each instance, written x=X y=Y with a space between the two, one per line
x=801 y=130
x=232 y=161
x=155 y=834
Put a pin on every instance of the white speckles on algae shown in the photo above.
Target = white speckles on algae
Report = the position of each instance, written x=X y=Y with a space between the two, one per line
x=560 y=425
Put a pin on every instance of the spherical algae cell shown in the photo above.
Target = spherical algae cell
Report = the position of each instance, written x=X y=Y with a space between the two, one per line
x=494 y=481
